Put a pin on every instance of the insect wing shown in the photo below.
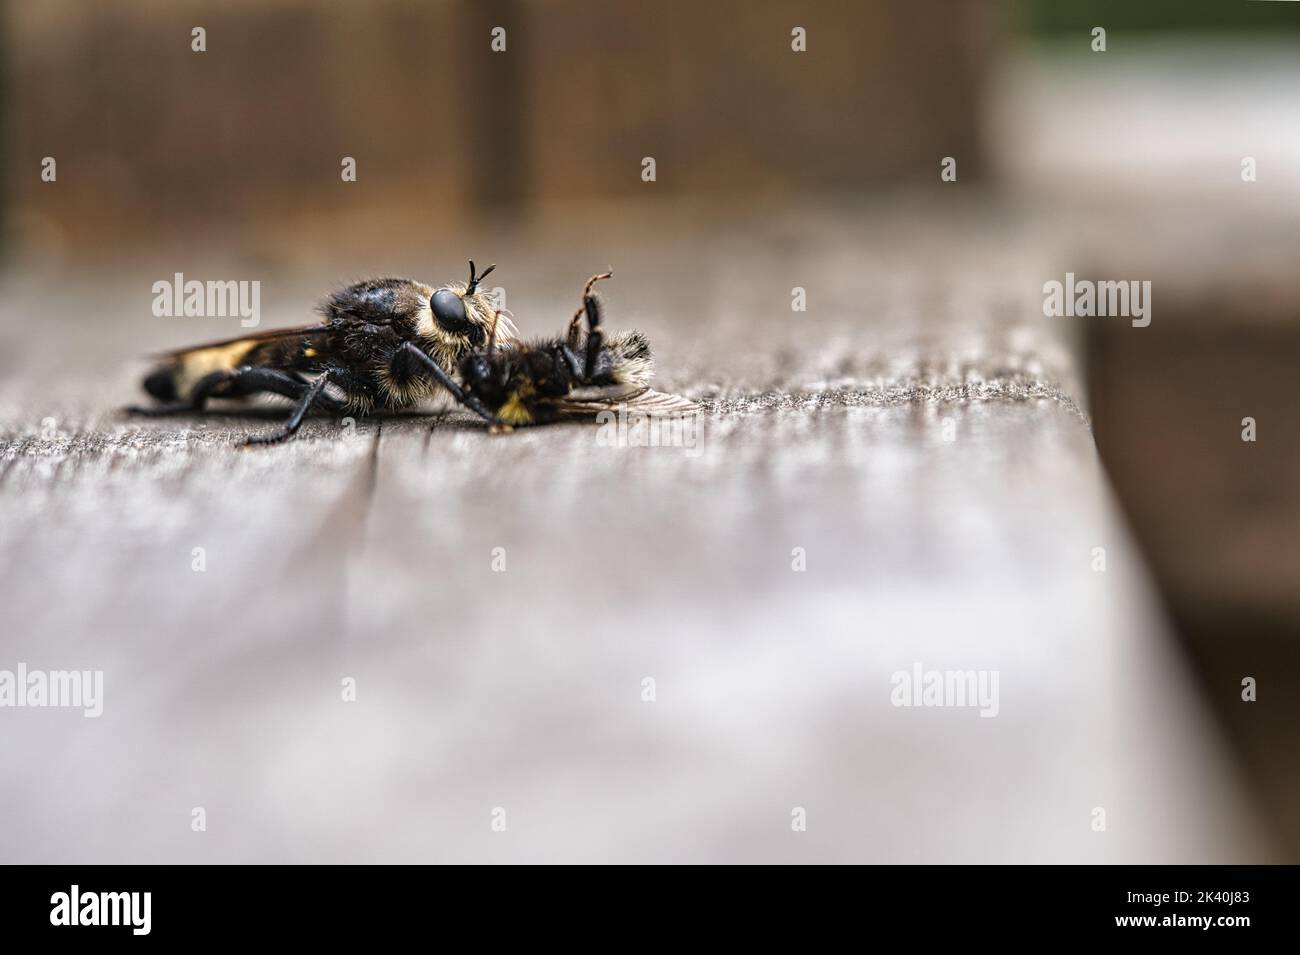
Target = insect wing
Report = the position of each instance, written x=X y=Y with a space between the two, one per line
x=661 y=404
x=585 y=402
x=255 y=338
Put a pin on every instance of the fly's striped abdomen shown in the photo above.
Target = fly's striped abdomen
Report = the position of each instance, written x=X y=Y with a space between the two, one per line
x=296 y=349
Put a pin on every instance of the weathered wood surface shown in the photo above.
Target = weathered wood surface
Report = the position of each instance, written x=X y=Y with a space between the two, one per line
x=367 y=552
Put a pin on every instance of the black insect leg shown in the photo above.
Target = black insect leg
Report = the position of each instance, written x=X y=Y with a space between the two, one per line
x=308 y=395
x=571 y=359
x=595 y=337
x=571 y=338
x=198 y=397
x=289 y=385
x=436 y=372
x=242 y=382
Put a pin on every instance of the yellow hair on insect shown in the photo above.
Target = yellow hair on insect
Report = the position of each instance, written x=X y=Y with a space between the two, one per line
x=515 y=411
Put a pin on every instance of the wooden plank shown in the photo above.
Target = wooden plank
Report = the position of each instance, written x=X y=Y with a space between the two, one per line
x=916 y=433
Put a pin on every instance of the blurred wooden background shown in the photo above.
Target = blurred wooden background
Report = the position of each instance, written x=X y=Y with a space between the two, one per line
x=155 y=141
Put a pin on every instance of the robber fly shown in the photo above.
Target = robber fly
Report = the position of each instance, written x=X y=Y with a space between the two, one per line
x=383 y=344
x=523 y=383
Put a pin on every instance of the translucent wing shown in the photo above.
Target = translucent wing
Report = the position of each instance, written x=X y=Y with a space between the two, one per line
x=586 y=402
x=252 y=339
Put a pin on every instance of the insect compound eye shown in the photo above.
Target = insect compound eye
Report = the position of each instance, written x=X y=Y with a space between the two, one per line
x=449 y=311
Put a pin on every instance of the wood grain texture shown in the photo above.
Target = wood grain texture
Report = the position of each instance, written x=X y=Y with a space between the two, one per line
x=917 y=433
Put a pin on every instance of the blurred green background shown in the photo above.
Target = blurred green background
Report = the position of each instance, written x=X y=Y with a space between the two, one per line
x=1064 y=16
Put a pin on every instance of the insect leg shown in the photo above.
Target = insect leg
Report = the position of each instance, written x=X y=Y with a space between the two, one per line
x=245 y=381
x=575 y=327
x=436 y=372
x=309 y=396
x=595 y=337
x=571 y=338
x=198 y=397
x=250 y=380
x=571 y=360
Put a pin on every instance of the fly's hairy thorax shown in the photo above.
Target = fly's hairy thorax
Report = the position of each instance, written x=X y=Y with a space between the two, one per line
x=358 y=342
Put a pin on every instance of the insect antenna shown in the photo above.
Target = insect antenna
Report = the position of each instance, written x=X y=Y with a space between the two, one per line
x=475 y=279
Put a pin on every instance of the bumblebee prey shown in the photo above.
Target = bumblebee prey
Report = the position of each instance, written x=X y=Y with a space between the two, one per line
x=523 y=383
x=383 y=344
